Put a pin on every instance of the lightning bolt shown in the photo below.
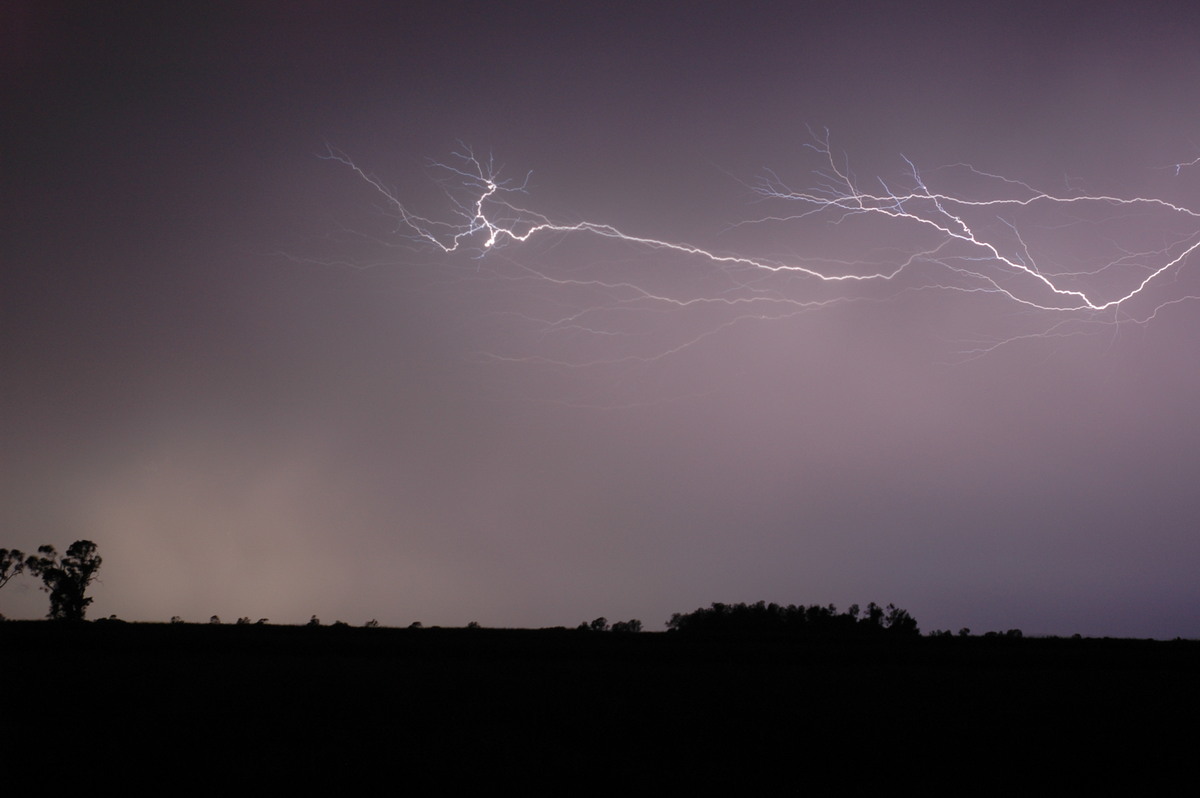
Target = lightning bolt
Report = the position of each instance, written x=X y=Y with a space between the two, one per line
x=992 y=236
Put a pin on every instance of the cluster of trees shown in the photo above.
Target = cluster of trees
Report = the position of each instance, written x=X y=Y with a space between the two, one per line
x=1011 y=634
x=66 y=579
x=816 y=620
x=601 y=625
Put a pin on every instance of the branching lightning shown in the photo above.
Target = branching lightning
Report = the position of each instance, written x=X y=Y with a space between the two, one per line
x=1074 y=260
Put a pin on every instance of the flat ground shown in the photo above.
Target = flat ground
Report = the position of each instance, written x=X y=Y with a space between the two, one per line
x=493 y=706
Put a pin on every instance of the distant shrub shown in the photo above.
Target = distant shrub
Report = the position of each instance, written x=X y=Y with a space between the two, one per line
x=633 y=625
x=371 y=624
x=215 y=619
x=176 y=619
x=243 y=621
x=416 y=625
x=313 y=621
x=474 y=625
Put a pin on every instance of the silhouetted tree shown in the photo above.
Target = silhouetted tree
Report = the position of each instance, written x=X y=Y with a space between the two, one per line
x=67 y=580
x=633 y=625
x=899 y=622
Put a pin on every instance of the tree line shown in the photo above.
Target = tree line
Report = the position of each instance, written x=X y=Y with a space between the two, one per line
x=66 y=579
x=814 y=621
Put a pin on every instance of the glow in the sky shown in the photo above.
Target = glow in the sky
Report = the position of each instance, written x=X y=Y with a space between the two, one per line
x=991 y=235
x=664 y=354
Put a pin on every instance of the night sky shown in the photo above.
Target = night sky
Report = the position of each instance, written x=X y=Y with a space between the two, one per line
x=225 y=360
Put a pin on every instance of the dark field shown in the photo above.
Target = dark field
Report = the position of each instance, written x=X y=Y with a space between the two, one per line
x=498 y=706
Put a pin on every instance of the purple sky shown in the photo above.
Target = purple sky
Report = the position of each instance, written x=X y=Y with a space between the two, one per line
x=222 y=361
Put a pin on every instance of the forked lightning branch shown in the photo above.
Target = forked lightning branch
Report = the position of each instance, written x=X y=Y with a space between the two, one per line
x=1073 y=258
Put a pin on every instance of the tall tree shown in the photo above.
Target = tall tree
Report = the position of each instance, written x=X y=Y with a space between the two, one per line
x=67 y=580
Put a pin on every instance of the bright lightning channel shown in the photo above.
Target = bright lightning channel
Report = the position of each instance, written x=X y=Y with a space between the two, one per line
x=971 y=245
